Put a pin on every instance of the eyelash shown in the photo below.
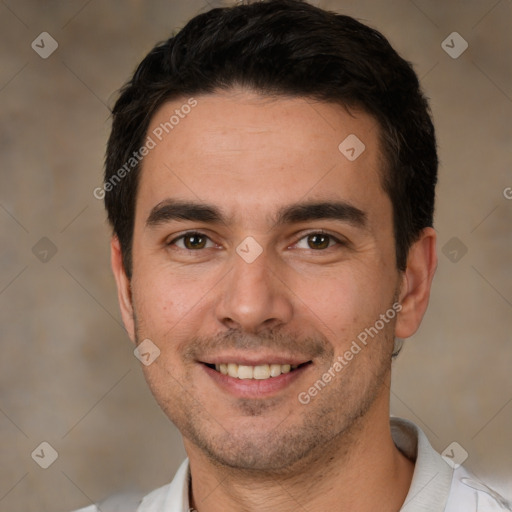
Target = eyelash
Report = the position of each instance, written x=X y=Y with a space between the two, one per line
x=188 y=234
x=198 y=233
x=332 y=238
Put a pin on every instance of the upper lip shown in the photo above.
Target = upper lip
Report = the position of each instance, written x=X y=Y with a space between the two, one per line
x=255 y=359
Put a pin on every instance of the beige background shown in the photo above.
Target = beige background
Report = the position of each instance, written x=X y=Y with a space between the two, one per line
x=67 y=371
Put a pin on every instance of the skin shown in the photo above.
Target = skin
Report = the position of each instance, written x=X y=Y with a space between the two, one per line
x=302 y=298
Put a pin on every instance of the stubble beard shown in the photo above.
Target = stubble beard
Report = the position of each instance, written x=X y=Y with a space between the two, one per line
x=328 y=424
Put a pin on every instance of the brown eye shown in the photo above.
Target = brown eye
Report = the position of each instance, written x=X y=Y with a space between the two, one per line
x=318 y=241
x=194 y=241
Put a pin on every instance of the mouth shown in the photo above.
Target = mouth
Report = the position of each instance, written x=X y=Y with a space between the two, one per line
x=257 y=372
x=255 y=376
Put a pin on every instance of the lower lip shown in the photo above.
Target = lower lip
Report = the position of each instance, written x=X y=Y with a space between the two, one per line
x=255 y=388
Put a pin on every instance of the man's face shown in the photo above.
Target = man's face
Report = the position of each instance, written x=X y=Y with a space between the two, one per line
x=318 y=269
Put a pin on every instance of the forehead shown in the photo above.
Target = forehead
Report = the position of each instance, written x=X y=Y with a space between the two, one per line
x=250 y=152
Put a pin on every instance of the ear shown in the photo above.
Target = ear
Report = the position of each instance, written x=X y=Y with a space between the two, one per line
x=416 y=283
x=124 y=294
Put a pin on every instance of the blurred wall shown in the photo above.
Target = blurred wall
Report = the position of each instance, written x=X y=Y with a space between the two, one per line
x=67 y=372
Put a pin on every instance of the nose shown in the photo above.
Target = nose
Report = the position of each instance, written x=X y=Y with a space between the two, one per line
x=253 y=297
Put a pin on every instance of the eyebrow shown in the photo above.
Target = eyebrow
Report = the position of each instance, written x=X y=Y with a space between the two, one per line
x=335 y=210
x=169 y=210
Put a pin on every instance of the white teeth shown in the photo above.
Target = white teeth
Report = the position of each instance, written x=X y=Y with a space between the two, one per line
x=262 y=371
x=275 y=370
x=245 y=372
x=233 y=370
x=259 y=372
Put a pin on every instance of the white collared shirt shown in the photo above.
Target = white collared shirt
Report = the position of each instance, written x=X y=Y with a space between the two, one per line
x=435 y=486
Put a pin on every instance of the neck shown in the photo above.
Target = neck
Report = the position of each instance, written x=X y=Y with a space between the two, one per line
x=360 y=470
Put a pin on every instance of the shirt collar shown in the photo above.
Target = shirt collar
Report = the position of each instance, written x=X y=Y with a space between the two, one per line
x=172 y=497
x=432 y=476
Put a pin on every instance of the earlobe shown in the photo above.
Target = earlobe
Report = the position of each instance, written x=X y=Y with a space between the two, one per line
x=416 y=284
x=124 y=294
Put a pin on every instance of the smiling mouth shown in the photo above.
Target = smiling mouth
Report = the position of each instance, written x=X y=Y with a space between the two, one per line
x=259 y=372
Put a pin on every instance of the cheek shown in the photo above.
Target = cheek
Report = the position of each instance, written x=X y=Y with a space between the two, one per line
x=158 y=305
x=170 y=305
x=335 y=300
x=343 y=304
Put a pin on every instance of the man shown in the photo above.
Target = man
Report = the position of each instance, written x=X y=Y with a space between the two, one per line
x=270 y=180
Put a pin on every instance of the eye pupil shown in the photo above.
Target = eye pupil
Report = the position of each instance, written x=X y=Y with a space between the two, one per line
x=318 y=241
x=195 y=241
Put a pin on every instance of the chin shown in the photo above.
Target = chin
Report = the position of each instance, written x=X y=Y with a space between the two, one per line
x=265 y=457
x=280 y=450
